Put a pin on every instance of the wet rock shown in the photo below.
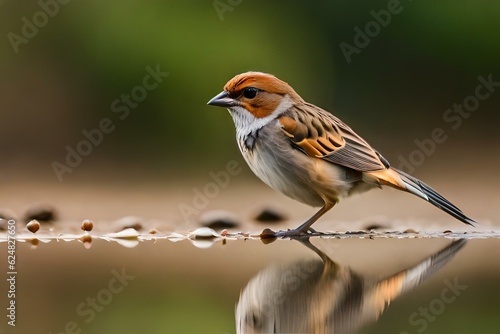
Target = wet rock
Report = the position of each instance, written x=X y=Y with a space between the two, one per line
x=267 y=235
x=218 y=219
x=34 y=243
x=33 y=226
x=203 y=233
x=87 y=225
x=128 y=222
x=203 y=237
x=269 y=215
x=410 y=230
x=86 y=240
x=127 y=238
x=128 y=233
x=42 y=213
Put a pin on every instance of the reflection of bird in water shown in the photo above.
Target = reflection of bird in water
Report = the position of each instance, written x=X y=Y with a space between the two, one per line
x=320 y=296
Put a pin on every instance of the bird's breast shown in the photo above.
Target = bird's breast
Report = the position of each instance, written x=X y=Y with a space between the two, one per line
x=271 y=157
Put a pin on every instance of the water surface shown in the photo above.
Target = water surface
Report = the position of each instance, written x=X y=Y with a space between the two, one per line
x=362 y=282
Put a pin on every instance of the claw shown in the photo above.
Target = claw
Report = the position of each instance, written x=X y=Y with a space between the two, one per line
x=292 y=234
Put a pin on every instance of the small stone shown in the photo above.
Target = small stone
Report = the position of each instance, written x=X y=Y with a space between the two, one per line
x=128 y=233
x=218 y=219
x=42 y=213
x=223 y=233
x=268 y=215
x=268 y=234
x=153 y=231
x=34 y=243
x=203 y=233
x=447 y=231
x=203 y=237
x=410 y=230
x=86 y=240
x=33 y=226
x=87 y=225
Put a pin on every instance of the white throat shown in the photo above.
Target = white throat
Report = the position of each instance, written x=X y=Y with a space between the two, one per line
x=246 y=123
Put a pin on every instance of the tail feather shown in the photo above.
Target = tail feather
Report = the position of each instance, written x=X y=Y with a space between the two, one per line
x=422 y=190
x=400 y=180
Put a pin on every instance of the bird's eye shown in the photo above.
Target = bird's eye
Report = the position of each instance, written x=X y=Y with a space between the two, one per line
x=250 y=92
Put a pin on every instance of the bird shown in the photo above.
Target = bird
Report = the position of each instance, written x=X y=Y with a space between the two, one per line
x=321 y=295
x=307 y=153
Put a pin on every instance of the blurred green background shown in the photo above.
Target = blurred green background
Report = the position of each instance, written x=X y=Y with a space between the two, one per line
x=85 y=54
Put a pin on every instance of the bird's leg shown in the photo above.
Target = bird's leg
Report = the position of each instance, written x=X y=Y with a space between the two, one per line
x=311 y=230
x=302 y=229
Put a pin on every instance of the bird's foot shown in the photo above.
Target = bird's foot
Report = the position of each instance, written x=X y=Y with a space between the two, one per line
x=292 y=234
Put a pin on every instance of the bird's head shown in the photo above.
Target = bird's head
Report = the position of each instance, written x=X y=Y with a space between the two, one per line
x=255 y=97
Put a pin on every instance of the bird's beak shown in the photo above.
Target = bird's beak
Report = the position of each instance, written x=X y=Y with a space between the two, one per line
x=222 y=100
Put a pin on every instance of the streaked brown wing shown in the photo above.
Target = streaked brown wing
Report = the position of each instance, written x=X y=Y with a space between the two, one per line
x=322 y=135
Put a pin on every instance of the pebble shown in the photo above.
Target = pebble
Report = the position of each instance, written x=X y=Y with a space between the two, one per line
x=218 y=219
x=203 y=237
x=42 y=213
x=203 y=233
x=128 y=233
x=33 y=226
x=34 y=243
x=86 y=240
x=87 y=225
x=410 y=230
x=268 y=215
x=267 y=234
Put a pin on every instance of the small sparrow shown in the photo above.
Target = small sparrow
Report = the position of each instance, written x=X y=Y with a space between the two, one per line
x=325 y=296
x=307 y=153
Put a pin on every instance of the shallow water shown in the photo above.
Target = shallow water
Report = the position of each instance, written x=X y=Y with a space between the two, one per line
x=356 y=282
